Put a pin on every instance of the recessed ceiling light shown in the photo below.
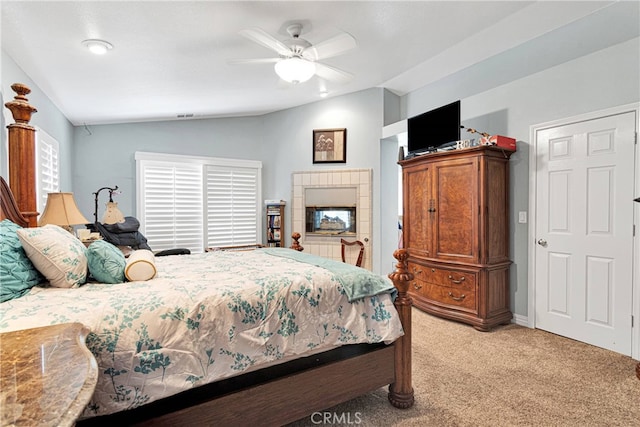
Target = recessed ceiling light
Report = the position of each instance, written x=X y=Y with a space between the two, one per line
x=99 y=47
x=324 y=93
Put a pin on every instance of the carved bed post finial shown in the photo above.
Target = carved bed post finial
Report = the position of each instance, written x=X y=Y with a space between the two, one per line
x=22 y=151
x=296 y=245
x=401 y=392
x=20 y=107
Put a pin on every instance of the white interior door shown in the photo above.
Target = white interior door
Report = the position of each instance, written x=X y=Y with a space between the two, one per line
x=584 y=230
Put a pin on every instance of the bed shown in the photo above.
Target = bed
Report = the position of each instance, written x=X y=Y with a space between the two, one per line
x=266 y=336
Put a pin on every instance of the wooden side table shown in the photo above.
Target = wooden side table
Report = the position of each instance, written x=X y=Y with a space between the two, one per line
x=47 y=375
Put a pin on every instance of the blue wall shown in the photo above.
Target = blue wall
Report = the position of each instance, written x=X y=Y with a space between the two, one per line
x=104 y=155
x=507 y=104
x=604 y=79
x=289 y=133
x=48 y=118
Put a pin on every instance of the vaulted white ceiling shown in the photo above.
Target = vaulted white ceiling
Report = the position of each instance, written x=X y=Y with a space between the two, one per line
x=171 y=57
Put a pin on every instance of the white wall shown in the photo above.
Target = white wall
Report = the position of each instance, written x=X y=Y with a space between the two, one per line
x=603 y=79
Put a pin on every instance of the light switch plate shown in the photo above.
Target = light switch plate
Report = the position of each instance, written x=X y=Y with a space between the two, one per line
x=522 y=217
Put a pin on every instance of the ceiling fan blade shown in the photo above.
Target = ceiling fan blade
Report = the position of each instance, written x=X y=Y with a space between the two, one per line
x=284 y=85
x=262 y=38
x=253 y=61
x=330 y=47
x=333 y=74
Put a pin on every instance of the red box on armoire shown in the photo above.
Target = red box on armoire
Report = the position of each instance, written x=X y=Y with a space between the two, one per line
x=501 y=141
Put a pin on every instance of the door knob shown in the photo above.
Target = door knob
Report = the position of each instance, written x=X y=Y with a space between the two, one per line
x=542 y=242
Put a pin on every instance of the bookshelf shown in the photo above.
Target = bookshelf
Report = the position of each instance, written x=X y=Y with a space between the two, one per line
x=275 y=223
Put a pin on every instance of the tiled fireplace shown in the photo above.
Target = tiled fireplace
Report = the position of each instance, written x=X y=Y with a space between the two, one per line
x=325 y=203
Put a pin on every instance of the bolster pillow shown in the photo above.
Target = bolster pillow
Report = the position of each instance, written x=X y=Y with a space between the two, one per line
x=141 y=265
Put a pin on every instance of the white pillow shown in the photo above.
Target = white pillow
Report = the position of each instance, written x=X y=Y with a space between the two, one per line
x=57 y=254
x=141 y=265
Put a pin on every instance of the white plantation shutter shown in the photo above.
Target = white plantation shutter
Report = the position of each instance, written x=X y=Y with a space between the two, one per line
x=197 y=202
x=47 y=167
x=232 y=205
x=172 y=208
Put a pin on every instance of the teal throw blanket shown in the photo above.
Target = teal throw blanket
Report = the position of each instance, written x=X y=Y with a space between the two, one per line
x=357 y=282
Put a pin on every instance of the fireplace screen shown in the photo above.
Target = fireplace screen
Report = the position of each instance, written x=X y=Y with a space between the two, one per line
x=328 y=220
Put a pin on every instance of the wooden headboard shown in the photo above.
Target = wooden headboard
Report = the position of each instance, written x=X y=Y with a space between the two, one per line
x=22 y=163
x=8 y=206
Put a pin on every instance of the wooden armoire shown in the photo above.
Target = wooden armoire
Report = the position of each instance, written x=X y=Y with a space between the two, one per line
x=456 y=232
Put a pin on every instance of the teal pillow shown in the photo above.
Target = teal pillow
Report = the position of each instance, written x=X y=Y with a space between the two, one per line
x=106 y=262
x=17 y=273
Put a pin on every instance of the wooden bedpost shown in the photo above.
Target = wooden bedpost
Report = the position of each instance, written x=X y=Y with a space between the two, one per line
x=22 y=151
x=401 y=391
x=295 y=245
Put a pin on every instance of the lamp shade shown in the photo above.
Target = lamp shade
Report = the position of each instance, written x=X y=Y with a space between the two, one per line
x=295 y=70
x=61 y=209
x=112 y=215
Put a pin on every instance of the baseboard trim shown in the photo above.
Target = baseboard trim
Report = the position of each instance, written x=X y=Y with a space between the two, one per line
x=521 y=320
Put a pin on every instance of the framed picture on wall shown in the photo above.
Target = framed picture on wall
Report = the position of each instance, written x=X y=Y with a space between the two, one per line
x=330 y=145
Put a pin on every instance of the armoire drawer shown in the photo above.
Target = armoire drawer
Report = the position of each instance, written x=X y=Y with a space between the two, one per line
x=460 y=280
x=443 y=295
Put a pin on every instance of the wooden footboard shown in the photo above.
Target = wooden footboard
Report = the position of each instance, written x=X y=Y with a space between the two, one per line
x=280 y=400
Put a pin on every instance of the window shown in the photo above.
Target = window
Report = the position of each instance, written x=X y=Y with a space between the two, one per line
x=198 y=202
x=47 y=167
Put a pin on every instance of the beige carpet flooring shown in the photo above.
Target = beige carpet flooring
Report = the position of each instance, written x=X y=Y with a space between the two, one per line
x=512 y=376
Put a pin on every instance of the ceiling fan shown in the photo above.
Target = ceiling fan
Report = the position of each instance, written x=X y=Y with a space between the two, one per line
x=297 y=59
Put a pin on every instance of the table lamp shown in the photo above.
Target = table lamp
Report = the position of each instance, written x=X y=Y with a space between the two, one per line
x=112 y=215
x=61 y=209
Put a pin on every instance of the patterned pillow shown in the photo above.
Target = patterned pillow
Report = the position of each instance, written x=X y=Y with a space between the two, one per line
x=57 y=254
x=17 y=273
x=106 y=262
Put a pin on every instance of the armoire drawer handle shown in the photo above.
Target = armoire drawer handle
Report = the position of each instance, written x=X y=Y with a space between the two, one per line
x=416 y=271
x=416 y=286
x=460 y=298
x=457 y=282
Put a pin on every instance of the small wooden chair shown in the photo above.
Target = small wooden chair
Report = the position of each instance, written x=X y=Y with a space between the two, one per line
x=345 y=243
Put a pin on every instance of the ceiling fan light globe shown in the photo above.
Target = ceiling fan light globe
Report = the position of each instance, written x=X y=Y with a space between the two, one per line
x=295 y=70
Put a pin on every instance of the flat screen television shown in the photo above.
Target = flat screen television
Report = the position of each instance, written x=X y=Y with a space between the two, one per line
x=434 y=129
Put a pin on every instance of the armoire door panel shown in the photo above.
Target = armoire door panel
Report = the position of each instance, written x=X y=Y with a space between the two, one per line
x=456 y=227
x=418 y=224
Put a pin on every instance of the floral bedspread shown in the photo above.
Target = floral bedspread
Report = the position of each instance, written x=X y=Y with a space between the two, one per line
x=203 y=318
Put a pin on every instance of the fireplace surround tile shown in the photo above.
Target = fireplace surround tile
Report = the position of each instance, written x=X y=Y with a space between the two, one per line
x=329 y=246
